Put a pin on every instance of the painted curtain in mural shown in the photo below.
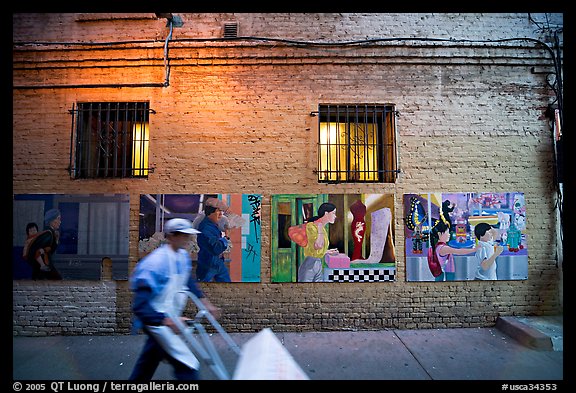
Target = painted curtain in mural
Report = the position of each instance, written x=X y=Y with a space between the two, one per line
x=475 y=236
x=239 y=224
x=332 y=238
x=61 y=236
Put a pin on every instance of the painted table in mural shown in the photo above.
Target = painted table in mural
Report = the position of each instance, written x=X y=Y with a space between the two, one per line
x=510 y=265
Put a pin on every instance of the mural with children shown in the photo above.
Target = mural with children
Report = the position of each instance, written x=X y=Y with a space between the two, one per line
x=227 y=247
x=70 y=236
x=465 y=236
x=332 y=238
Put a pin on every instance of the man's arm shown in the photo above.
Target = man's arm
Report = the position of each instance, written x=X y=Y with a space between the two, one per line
x=144 y=310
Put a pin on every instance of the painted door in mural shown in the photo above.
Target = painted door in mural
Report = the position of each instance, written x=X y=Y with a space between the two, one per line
x=287 y=211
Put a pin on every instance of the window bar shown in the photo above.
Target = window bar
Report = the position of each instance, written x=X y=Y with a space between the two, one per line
x=366 y=170
x=141 y=142
x=320 y=147
x=101 y=148
x=359 y=141
x=349 y=136
x=370 y=143
x=71 y=169
x=328 y=147
x=130 y=153
x=332 y=146
x=139 y=121
x=350 y=144
x=377 y=141
x=366 y=147
x=98 y=139
x=78 y=141
x=83 y=140
x=145 y=140
x=357 y=145
x=120 y=162
x=393 y=150
x=338 y=159
x=373 y=145
x=324 y=172
x=385 y=147
x=345 y=171
x=363 y=143
x=90 y=132
x=382 y=150
x=380 y=125
x=124 y=146
x=133 y=134
x=106 y=141
x=370 y=115
x=337 y=166
x=115 y=141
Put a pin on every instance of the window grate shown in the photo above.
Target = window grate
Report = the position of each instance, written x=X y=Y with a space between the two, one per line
x=357 y=144
x=109 y=140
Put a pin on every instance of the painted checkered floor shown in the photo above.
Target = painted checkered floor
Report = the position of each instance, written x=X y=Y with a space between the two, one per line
x=361 y=275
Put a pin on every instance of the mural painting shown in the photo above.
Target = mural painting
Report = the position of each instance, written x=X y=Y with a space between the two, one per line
x=228 y=249
x=465 y=236
x=332 y=238
x=69 y=236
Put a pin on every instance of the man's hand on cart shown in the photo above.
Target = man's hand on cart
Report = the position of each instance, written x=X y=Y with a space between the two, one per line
x=172 y=325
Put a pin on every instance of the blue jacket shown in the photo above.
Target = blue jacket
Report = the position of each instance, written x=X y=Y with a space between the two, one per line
x=211 y=243
x=149 y=278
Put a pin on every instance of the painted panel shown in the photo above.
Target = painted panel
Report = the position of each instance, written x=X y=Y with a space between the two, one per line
x=477 y=236
x=332 y=238
x=67 y=236
x=241 y=224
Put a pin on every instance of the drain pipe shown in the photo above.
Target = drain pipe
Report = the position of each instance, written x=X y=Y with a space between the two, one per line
x=172 y=21
x=166 y=60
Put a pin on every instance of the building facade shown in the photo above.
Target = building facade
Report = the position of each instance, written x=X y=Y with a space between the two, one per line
x=234 y=103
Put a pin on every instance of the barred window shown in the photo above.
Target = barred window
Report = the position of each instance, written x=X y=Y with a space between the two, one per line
x=109 y=140
x=357 y=144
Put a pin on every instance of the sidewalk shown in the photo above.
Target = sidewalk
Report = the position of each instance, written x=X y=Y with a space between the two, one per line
x=430 y=354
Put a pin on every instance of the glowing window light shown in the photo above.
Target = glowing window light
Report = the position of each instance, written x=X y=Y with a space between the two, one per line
x=140 y=141
x=348 y=155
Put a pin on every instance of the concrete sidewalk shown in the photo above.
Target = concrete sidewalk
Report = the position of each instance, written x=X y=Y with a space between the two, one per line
x=431 y=354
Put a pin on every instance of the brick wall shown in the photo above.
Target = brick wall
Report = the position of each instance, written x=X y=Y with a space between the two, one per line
x=64 y=308
x=235 y=118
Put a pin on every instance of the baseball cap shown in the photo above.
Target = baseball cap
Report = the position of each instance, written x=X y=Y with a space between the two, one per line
x=179 y=225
